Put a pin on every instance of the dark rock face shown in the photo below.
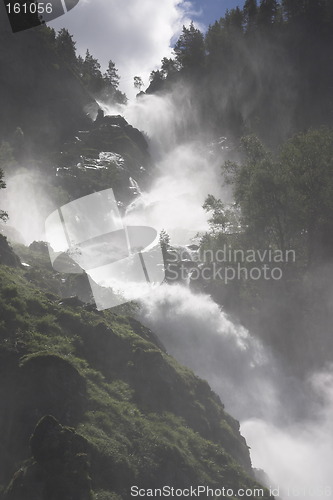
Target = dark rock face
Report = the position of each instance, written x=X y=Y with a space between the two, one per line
x=7 y=255
x=40 y=247
x=48 y=102
x=52 y=385
x=106 y=154
x=61 y=467
x=113 y=133
x=44 y=384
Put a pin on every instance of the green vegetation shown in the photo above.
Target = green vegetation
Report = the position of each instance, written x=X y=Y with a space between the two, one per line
x=286 y=200
x=283 y=204
x=139 y=417
x=49 y=104
x=262 y=69
x=90 y=402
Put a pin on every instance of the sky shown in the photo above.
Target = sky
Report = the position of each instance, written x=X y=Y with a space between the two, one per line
x=211 y=10
x=136 y=34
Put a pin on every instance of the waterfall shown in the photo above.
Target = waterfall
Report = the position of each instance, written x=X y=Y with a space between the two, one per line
x=134 y=187
x=287 y=422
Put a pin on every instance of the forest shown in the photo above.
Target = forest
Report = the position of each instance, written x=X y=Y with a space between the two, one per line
x=264 y=69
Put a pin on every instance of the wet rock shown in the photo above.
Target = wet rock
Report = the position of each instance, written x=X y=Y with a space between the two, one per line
x=60 y=470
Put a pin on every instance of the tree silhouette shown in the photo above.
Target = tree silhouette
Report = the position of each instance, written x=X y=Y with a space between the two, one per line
x=138 y=83
x=190 y=48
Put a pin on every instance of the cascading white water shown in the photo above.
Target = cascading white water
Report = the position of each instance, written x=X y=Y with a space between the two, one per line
x=295 y=452
x=186 y=170
x=27 y=204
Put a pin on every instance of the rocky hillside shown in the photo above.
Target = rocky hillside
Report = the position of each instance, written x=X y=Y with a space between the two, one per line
x=108 y=153
x=91 y=403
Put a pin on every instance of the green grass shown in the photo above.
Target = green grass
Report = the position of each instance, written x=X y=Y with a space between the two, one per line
x=131 y=436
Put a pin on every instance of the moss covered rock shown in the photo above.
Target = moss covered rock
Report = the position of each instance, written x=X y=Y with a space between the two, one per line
x=60 y=469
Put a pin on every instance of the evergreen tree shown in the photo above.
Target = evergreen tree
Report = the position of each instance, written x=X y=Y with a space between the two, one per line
x=111 y=83
x=111 y=75
x=234 y=19
x=91 y=74
x=250 y=12
x=288 y=200
x=316 y=14
x=190 y=49
x=91 y=65
x=156 y=77
x=169 y=67
x=65 y=47
x=268 y=12
x=293 y=9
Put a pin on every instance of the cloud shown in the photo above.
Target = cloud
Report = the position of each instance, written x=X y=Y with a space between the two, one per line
x=136 y=34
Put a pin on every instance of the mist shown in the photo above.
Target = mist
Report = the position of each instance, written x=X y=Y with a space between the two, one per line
x=287 y=423
x=298 y=457
x=27 y=201
x=286 y=420
x=186 y=169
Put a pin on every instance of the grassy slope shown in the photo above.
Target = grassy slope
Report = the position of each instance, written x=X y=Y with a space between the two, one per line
x=146 y=420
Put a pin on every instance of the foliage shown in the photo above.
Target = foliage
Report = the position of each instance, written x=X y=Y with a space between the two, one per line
x=261 y=69
x=65 y=46
x=286 y=200
x=189 y=60
x=189 y=49
x=138 y=83
x=222 y=219
x=283 y=203
x=112 y=75
x=91 y=371
x=111 y=92
x=306 y=165
x=55 y=78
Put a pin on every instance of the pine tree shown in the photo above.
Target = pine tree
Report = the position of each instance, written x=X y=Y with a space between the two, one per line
x=250 y=12
x=91 y=73
x=234 y=19
x=169 y=67
x=111 y=75
x=91 y=65
x=190 y=49
x=293 y=9
x=111 y=83
x=268 y=11
x=156 y=76
x=65 y=47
